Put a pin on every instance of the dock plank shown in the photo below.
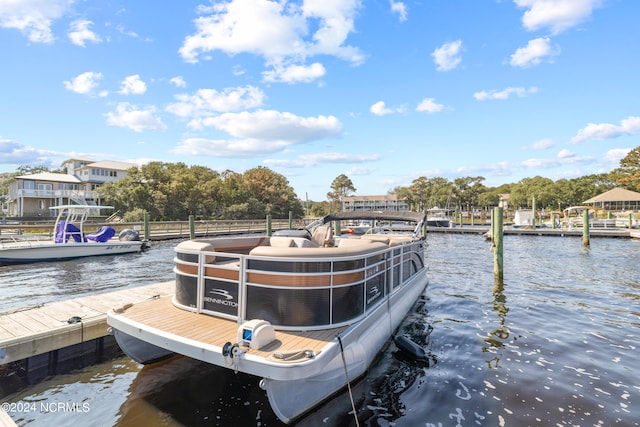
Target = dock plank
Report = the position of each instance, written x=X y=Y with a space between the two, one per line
x=41 y=329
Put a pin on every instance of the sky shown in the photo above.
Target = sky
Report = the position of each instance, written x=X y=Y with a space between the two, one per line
x=382 y=91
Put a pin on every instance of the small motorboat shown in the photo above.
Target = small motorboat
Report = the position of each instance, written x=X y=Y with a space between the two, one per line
x=70 y=239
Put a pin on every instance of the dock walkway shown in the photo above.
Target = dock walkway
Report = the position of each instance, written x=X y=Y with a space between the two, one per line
x=42 y=329
x=542 y=231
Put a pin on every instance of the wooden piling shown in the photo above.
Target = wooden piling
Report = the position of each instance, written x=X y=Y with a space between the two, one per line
x=192 y=227
x=533 y=212
x=145 y=220
x=498 y=261
x=585 y=228
x=269 y=225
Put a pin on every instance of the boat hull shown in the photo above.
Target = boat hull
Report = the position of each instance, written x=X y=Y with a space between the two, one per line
x=47 y=251
x=294 y=388
x=291 y=399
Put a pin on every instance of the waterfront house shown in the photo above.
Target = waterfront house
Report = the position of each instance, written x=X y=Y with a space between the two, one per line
x=616 y=199
x=33 y=195
x=387 y=202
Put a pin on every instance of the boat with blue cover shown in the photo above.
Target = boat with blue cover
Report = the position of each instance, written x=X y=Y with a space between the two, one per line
x=70 y=239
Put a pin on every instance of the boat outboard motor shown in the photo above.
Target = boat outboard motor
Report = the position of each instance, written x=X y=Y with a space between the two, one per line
x=129 y=235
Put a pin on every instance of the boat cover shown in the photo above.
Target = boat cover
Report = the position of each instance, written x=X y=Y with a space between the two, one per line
x=103 y=234
x=71 y=230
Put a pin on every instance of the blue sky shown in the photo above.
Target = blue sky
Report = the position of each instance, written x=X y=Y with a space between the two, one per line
x=383 y=91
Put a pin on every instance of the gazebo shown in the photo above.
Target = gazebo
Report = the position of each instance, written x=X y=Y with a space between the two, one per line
x=616 y=199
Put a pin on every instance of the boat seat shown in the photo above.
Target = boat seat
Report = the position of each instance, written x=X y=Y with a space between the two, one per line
x=282 y=242
x=357 y=248
x=350 y=242
x=291 y=242
x=376 y=238
x=323 y=235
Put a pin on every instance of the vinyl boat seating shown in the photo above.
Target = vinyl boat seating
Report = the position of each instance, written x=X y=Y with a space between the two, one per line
x=70 y=240
x=305 y=310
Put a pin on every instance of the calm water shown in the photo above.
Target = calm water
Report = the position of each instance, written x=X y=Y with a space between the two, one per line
x=555 y=346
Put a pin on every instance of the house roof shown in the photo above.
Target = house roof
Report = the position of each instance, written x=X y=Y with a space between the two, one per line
x=50 y=176
x=615 y=195
x=110 y=164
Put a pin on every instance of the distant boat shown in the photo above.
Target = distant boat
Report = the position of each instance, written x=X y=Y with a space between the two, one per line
x=304 y=310
x=438 y=217
x=523 y=218
x=70 y=240
x=574 y=217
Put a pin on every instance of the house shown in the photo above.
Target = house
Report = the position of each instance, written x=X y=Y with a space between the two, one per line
x=616 y=199
x=387 y=202
x=32 y=195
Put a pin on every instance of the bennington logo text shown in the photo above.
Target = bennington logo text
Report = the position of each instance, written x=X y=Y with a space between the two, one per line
x=224 y=298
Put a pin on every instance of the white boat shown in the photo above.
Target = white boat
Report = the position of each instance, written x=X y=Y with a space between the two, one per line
x=438 y=217
x=304 y=310
x=70 y=239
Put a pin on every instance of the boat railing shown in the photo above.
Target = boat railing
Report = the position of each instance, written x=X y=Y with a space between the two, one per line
x=313 y=288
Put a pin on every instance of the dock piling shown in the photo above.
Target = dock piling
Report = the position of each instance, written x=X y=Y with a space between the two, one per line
x=497 y=237
x=585 y=228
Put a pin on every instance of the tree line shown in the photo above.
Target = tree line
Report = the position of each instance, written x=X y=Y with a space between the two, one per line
x=174 y=191
x=467 y=193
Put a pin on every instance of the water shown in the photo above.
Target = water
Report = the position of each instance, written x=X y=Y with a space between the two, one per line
x=556 y=345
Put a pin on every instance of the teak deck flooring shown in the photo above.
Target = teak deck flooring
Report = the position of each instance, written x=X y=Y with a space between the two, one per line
x=161 y=314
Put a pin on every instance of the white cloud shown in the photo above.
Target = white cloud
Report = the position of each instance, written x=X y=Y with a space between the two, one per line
x=380 y=109
x=400 y=8
x=277 y=31
x=429 y=105
x=505 y=93
x=276 y=126
x=134 y=118
x=132 y=85
x=33 y=18
x=565 y=154
x=206 y=102
x=79 y=33
x=615 y=155
x=84 y=83
x=310 y=160
x=557 y=15
x=447 y=57
x=178 y=81
x=533 y=53
x=261 y=132
x=13 y=153
x=542 y=144
x=295 y=73
x=602 y=131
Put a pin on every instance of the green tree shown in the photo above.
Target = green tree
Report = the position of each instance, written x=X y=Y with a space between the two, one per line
x=467 y=190
x=341 y=186
x=523 y=192
x=628 y=174
x=273 y=191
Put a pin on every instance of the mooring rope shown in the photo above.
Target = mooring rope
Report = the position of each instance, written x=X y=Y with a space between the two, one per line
x=346 y=374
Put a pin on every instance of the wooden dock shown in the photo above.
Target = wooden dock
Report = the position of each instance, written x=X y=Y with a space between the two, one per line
x=542 y=231
x=31 y=332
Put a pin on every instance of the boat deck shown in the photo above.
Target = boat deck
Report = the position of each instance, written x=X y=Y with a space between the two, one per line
x=161 y=314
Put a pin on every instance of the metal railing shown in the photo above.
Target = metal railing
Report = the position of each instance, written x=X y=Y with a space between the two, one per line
x=321 y=291
x=157 y=230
